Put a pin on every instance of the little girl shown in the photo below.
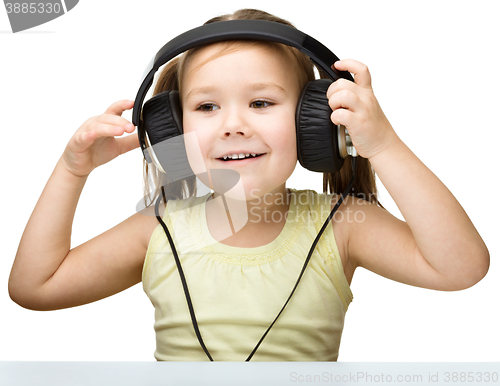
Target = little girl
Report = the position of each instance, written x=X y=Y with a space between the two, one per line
x=240 y=98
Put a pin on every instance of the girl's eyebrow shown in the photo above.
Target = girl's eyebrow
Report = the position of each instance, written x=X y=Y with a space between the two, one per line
x=266 y=86
x=254 y=87
x=201 y=90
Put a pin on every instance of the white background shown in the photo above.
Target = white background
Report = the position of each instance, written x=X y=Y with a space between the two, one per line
x=435 y=71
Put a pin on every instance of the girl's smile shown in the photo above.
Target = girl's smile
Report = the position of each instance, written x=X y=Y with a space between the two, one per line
x=240 y=158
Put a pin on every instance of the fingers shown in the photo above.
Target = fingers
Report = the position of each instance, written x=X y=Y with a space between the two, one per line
x=115 y=120
x=360 y=71
x=104 y=129
x=343 y=117
x=102 y=126
x=343 y=94
x=349 y=108
x=111 y=123
x=95 y=142
x=119 y=107
x=83 y=140
x=130 y=142
x=347 y=99
x=340 y=84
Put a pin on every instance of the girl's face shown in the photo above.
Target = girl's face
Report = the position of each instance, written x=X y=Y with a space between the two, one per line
x=243 y=102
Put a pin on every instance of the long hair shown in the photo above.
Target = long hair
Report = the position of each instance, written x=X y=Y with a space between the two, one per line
x=169 y=79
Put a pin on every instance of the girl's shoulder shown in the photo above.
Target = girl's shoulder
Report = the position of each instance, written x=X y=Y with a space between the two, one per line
x=319 y=206
x=310 y=196
x=313 y=201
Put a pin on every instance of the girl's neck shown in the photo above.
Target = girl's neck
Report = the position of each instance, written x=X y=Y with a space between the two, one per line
x=253 y=223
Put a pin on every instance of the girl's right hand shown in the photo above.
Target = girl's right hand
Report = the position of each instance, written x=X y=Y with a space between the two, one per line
x=94 y=143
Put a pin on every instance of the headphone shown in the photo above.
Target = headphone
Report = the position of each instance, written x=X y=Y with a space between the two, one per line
x=321 y=145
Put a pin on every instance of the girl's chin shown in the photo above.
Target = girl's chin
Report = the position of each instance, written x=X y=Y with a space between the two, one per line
x=236 y=195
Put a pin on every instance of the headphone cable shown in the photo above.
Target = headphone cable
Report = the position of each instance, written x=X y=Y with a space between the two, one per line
x=316 y=240
x=183 y=278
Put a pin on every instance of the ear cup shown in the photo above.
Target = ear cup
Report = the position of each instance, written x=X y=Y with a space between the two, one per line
x=162 y=121
x=317 y=142
x=162 y=116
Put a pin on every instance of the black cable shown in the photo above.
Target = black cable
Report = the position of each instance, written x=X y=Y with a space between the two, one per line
x=183 y=279
x=316 y=240
x=337 y=205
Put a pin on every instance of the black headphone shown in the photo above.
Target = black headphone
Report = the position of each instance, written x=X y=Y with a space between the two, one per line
x=321 y=145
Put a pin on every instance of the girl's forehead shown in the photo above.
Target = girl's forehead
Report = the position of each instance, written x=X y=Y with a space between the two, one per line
x=203 y=56
x=258 y=63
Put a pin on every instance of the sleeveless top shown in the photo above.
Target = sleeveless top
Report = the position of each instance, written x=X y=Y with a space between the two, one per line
x=237 y=292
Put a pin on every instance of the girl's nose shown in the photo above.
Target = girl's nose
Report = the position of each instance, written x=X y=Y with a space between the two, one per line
x=235 y=124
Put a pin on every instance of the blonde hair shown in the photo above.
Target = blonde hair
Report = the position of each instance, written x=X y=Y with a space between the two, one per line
x=170 y=79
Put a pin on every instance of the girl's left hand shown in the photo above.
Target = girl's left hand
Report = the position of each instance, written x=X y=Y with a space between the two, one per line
x=354 y=105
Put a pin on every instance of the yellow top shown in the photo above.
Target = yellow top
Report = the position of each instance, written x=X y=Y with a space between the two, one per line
x=237 y=292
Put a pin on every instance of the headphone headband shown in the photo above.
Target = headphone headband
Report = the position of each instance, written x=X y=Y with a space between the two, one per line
x=320 y=55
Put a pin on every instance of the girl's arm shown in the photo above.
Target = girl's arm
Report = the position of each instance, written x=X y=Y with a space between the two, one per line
x=437 y=246
x=46 y=274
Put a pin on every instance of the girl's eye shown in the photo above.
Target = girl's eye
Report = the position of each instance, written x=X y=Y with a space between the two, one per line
x=260 y=104
x=207 y=107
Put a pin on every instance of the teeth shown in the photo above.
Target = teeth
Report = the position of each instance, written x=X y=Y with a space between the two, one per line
x=238 y=156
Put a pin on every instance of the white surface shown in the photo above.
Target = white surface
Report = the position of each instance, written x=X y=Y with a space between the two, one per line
x=243 y=374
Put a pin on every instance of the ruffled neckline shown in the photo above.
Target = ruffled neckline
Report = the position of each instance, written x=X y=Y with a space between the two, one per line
x=248 y=256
